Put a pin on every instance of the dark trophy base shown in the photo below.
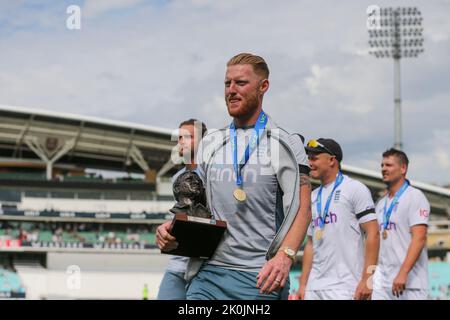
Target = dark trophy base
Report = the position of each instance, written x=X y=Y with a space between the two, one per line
x=196 y=237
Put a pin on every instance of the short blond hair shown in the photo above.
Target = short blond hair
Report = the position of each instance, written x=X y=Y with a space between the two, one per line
x=258 y=63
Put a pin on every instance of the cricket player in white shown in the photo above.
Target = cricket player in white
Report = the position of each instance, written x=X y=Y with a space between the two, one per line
x=337 y=263
x=402 y=272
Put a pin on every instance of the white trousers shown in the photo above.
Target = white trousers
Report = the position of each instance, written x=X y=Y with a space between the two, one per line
x=332 y=294
x=408 y=294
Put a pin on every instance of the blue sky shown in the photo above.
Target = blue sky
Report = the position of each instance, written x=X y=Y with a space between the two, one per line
x=160 y=62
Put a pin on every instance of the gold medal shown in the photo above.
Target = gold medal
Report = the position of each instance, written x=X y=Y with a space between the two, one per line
x=319 y=234
x=239 y=195
x=385 y=234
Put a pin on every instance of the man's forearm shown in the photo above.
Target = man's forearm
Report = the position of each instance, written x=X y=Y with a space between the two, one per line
x=415 y=248
x=371 y=253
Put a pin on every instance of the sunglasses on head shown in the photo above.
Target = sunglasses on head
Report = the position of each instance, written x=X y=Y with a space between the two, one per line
x=314 y=144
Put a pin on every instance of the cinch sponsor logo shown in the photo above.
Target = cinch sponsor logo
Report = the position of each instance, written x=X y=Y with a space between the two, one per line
x=227 y=174
x=424 y=213
x=391 y=226
x=330 y=218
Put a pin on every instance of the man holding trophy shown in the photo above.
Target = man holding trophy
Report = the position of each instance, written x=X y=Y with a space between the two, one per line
x=255 y=176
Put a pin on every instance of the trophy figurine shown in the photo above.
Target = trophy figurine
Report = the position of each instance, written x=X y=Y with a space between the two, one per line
x=190 y=195
x=197 y=233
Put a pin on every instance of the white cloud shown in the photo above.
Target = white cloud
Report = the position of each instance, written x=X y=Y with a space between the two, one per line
x=441 y=143
x=439 y=37
x=160 y=63
x=443 y=158
x=94 y=8
x=312 y=83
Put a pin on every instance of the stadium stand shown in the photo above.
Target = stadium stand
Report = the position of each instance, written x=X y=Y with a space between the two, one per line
x=60 y=208
x=30 y=233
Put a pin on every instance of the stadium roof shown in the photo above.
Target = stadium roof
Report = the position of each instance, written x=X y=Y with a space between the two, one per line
x=36 y=136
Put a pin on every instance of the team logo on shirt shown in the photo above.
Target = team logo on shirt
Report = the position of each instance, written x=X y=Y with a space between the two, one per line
x=337 y=195
x=424 y=213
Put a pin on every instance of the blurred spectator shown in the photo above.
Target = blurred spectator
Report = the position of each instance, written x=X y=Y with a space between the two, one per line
x=111 y=239
x=22 y=235
x=133 y=237
x=100 y=238
x=57 y=236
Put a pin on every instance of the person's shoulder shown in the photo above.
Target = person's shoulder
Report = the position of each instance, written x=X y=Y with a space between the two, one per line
x=297 y=139
x=283 y=133
x=215 y=131
x=416 y=193
x=354 y=184
x=414 y=190
x=294 y=140
x=214 y=135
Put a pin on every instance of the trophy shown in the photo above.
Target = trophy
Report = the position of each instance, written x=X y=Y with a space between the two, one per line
x=190 y=195
x=197 y=233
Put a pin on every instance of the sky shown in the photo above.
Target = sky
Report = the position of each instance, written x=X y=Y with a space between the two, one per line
x=159 y=62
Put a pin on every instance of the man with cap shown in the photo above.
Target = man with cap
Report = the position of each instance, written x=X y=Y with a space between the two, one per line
x=402 y=272
x=337 y=262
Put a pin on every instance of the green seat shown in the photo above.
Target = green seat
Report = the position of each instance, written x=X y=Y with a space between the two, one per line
x=148 y=238
x=45 y=236
x=89 y=237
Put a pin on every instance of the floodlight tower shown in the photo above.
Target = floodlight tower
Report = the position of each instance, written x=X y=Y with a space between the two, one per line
x=396 y=33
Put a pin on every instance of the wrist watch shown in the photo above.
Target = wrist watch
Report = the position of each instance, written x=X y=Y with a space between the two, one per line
x=290 y=253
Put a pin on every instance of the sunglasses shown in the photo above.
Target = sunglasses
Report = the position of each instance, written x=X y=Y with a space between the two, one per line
x=315 y=144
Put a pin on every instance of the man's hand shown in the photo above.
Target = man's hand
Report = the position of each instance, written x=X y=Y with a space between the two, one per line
x=301 y=292
x=274 y=274
x=399 y=284
x=165 y=241
x=363 y=292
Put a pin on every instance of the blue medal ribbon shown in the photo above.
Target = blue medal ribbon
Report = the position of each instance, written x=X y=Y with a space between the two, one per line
x=387 y=213
x=323 y=216
x=253 y=143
